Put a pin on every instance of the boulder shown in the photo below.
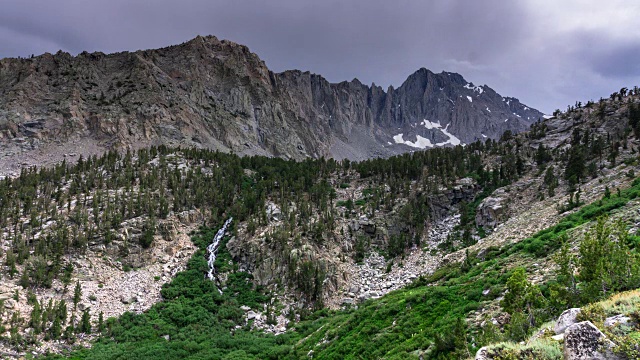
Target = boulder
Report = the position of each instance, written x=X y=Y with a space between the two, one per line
x=490 y=211
x=127 y=299
x=273 y=212
x=368 y=226
x=482 y=354
x=566 y=319
x=585 y=341
x=618 y=319
x=348 y=301
x=9 y=303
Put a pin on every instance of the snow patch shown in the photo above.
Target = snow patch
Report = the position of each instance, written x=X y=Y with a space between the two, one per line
x=470 y=99
x=478 y=89
x=452 y=139
x=484 y=136
x=431 y=125
x=548 y=116
x=488 y=109
x=423 y=143
x=420 y=143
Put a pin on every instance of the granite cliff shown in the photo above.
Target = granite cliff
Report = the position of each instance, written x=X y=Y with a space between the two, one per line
x=217 y=94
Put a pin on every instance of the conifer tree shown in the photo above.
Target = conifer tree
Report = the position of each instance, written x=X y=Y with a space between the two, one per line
x=77 y=294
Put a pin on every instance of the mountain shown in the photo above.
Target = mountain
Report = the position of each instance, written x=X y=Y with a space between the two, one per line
x=167 y=252
x=216 y=94
x=182 y=252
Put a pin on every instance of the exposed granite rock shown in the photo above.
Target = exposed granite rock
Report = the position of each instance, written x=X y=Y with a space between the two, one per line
x=585 y=341
x=483 y=354
x=489 y=212
x=217 y=94
x=617 y=320
x=566 y=319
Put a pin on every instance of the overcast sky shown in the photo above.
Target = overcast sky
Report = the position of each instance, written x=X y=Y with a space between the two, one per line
x=547 y=53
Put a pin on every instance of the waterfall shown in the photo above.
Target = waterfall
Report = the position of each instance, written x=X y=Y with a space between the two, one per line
x=213 y=248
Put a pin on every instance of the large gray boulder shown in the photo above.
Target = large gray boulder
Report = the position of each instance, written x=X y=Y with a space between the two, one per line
x=482 y=354
x=585 y=341
x=566 y=319
x=489 y=212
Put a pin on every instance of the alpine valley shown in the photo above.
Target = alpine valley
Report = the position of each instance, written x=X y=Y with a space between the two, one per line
x=188 y=203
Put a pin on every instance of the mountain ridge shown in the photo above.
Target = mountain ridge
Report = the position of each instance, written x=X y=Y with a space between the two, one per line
x=217 y=94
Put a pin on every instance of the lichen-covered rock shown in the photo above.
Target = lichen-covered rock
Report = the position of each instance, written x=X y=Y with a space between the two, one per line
x=585 y=341
x=566 y=319
x=482 y=354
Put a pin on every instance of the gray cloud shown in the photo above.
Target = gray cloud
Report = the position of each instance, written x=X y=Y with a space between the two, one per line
x=619 y=60
x=513 y=47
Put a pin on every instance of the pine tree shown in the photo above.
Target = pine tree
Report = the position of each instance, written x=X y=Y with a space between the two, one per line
x=56 y=328
x=68 y=334
x=77 y=294
x=101 y=326
x=522 y=296
x=35 y=320
x=85 y=323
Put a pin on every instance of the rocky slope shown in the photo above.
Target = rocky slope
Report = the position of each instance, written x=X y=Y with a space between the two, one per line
x=217 y=94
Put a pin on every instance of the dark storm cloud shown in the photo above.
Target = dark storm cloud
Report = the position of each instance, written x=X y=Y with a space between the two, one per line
x=500 y=43
x=620 y=60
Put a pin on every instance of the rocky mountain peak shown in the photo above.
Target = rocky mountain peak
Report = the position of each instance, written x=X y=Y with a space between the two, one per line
x=217 y=94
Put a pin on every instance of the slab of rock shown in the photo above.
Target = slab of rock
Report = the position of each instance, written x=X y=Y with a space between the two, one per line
x=348 y=301
x=618 y=319
x=585 y=341
x=127 y=299
x=566 y=319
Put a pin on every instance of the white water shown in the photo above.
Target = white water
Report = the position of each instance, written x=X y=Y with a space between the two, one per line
x=213 y=248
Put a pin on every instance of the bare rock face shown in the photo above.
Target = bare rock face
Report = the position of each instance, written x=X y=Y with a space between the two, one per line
x=566 y=319
x=443 y=203
x=217 y=94
x=489 y=212
x=585 y=341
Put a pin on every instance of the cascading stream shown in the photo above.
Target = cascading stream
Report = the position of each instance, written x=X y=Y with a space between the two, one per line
x=213 y=249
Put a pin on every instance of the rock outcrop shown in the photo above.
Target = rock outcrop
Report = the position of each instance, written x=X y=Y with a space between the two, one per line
x=490 y=212
x=566 y=319
x=585 y=341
